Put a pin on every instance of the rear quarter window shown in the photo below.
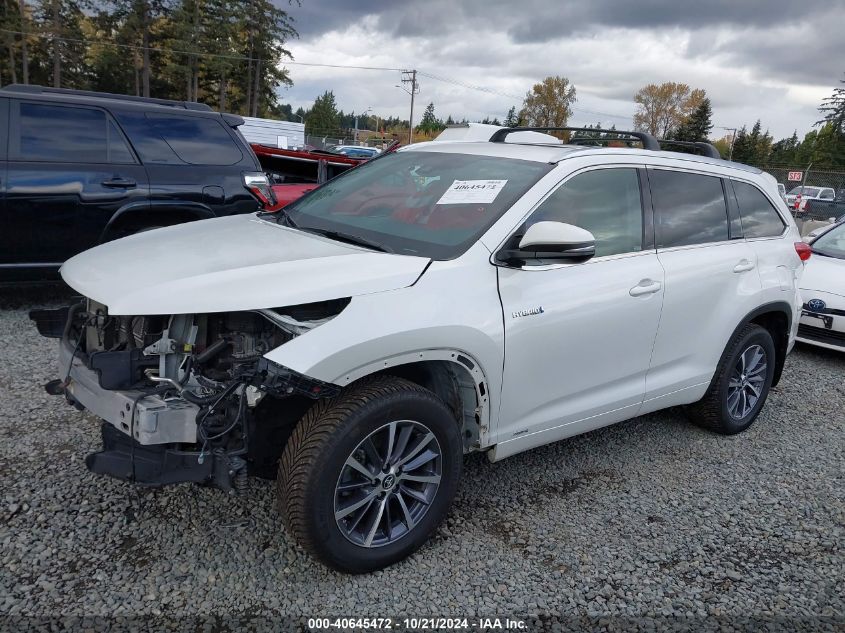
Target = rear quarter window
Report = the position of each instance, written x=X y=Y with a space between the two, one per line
x=759 y=217
x=173 y=139
x=688 y=208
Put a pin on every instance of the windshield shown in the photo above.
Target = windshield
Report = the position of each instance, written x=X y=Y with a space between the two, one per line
x=418 y=203
x=831 y=243
x=807 y=191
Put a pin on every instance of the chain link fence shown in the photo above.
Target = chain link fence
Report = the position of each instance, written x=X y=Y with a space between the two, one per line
x=811 y=178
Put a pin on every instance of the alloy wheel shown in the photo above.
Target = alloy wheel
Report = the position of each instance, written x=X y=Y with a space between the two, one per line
x=388 y=483
x=747 y=381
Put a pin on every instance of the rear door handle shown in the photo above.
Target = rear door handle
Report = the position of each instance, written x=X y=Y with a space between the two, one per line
x=117 y=182
x=645 y=287
x=743 y=266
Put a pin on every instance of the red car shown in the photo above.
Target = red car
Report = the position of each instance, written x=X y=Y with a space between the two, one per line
x=293 y=173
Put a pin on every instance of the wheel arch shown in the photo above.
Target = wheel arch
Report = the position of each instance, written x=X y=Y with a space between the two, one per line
x=161 y=213
x=453 y=375
x=776 y=318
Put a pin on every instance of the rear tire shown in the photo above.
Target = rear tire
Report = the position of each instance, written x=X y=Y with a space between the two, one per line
x=367 y=476
x=741 y=384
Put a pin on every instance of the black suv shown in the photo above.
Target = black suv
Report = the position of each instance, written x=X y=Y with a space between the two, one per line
x=79 y=168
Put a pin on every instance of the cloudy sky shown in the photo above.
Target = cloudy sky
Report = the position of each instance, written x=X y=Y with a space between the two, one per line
x=774 y=60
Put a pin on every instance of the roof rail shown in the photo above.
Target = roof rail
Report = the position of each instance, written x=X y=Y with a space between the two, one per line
x=647 y=140
x=33 y=89
x=706 y=149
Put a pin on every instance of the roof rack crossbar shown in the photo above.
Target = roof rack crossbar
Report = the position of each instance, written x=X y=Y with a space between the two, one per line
x=34 y=89
x=647 y=140
x=706 y=149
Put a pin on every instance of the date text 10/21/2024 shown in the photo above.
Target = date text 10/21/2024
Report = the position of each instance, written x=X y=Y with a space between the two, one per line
x=417 y=624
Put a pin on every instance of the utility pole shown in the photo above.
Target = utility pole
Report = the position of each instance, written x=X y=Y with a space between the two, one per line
x=410 y=77
x=733 y=138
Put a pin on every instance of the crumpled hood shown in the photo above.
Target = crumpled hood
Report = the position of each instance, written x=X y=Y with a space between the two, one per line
x=824 y=274
x=226 y=264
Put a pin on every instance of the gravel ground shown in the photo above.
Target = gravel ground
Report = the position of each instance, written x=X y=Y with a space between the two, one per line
x=649 y=518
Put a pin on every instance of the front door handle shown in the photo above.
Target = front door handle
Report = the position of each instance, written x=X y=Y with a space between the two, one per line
x=743 y=266
x=119 y=182
x=645 y=287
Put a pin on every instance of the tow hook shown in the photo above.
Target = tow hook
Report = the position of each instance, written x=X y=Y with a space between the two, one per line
x=59 y=388
x=55 y=387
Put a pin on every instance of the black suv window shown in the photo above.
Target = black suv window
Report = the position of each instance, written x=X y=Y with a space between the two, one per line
x=174 y=139
x=47 y=132
x=759 y=218
x=688 y=208
x=606 y=202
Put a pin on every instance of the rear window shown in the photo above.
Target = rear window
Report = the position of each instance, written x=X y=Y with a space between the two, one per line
x=688 y=208
x=421 y=203
x=174 y=139
x=759 y=217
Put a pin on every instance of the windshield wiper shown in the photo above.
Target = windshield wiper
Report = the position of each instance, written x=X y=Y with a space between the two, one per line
x=349 y=239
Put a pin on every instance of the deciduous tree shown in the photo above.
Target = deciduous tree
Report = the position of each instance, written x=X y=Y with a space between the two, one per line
x=548 y=103
x=663 y=108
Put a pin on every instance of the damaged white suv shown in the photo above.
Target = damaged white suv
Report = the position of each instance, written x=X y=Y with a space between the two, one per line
x=451 y=297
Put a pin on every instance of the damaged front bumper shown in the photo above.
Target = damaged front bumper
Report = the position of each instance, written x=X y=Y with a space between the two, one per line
x=149 y=419
x=160 y=431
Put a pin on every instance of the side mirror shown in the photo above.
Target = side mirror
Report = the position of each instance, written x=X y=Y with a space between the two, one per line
x=551 y=240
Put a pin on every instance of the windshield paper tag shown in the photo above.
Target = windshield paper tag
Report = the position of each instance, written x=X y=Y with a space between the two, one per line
x=470 y=191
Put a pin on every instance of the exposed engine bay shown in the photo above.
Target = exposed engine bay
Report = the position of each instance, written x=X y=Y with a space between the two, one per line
x=185 y=397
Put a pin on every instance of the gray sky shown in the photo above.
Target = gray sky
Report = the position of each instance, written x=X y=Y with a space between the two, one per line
x=774 y=60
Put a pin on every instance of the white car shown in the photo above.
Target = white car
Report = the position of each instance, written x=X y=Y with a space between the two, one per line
x=356 y=151
x=452 y=297
x=823 y=292
x=797 y=197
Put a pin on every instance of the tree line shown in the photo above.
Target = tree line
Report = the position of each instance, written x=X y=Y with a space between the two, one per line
x=226 y=53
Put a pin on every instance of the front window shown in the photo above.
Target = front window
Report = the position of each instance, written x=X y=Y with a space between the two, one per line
x=832 y=243
x=418 y=203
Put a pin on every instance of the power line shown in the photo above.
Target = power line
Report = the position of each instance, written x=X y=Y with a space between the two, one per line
x=440 y=78
x=511 y=96
x=195 y=53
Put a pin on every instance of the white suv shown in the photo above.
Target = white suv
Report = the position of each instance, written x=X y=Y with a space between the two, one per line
x=451 y=297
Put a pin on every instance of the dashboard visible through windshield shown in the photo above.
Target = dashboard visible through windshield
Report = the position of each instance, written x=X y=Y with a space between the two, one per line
x=432 y=204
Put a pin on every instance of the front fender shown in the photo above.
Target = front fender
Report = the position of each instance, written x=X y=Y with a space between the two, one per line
x=452 y=311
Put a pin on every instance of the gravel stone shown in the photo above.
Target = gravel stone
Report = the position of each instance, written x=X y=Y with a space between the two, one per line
x=653 y=518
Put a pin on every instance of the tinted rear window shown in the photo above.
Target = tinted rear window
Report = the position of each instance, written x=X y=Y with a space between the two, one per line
x=759 y=218
x=174 y=139
x=688 y=208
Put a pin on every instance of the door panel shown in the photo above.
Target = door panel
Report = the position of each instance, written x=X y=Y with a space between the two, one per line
x=578 y=337
x=709 y=289
x=70 y=171
x=711 y=283
x=586 y=350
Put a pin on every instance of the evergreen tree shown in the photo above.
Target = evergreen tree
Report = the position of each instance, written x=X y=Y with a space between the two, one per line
x=833 y=108
x=697 y=126
x=430 y=124
x=323 y=118
x=512 y=119
x=742 y=147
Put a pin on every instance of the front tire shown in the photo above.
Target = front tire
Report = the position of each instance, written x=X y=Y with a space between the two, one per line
x=741 y=384
x=366 y=477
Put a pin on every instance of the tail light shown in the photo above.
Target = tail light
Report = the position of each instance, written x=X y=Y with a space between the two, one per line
x=797 y=202
x=259 y=186
x=804 y=251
